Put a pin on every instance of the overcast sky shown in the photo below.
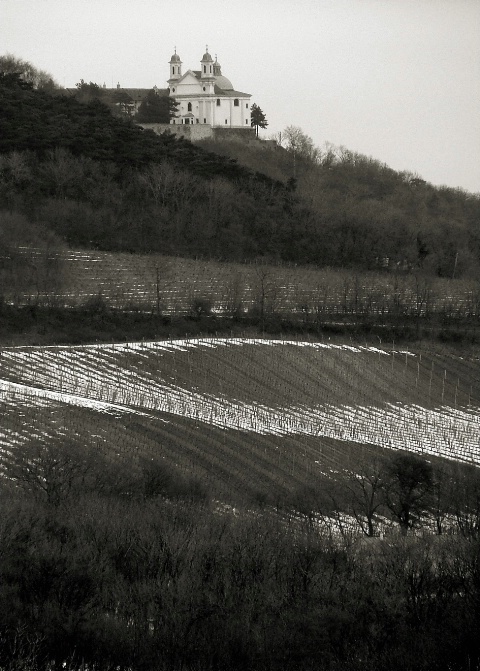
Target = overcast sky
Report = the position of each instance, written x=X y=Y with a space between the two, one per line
x=398 y=80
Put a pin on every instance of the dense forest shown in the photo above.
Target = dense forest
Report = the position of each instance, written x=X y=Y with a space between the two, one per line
x=99 y=181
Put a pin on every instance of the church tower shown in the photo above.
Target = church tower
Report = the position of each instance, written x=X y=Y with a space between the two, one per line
x=175 y=67
x=217 y=68
x=206 y=66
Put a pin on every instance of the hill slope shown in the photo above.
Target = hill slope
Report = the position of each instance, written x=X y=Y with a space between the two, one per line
x=246 y=415
x=98 y=181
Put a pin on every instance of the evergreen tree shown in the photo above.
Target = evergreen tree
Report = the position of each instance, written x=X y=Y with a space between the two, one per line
x=259 y=120
x=122 y=104
x=156 y=108
x=88 y=92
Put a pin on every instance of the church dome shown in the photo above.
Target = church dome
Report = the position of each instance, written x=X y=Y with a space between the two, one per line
x=175 y=58
x=206 y=57
x=223 y=83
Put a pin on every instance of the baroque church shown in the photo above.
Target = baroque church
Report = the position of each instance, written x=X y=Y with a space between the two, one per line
x=206 y=96
x=205 y=99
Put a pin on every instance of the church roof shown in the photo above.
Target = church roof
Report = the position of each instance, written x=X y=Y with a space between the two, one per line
x=140 y=94
x=206 y=57
x=223 y=85
x=135 y=94
x=221 y=82
x=175 y=58
x=231 y=93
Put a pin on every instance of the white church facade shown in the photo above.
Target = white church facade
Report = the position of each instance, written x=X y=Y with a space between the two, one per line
x=206 y=96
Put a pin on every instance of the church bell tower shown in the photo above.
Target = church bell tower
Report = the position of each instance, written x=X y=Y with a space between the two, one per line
x=175 y=67
x=206 y=66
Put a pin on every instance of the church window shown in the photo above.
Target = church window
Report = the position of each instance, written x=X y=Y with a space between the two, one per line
x=210 y=68
x=235 y=102
x=204 y=121
x=173 y=70
x=226 y=121
x=246 y=106
x=189 y=107
x=204 y=68
x=204 y=88
x=173 y=90
x=218 y=102
x=246 y=121
x=198 y=120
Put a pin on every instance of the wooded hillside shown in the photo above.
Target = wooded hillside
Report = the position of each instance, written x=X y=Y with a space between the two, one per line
x=99 y=181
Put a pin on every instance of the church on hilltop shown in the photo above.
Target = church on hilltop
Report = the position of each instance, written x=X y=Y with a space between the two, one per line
x=206 y=96
x=207 y=105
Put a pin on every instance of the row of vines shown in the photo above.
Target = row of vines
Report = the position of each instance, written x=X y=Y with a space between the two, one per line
x=169 y=285
x=243 y=413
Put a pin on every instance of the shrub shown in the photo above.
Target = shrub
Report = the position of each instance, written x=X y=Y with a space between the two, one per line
x=201 y=306
x=96 y=304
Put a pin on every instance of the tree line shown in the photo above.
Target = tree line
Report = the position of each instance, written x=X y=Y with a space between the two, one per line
x=401 y=490
x=363 y=214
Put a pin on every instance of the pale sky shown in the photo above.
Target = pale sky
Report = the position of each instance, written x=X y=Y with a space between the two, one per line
x=398 y=80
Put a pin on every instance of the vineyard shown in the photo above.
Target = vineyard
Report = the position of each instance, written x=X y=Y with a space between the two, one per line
x=170 y=285
x=247 y=415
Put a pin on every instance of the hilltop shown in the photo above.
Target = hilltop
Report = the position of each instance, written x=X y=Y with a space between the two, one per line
x=101 y=182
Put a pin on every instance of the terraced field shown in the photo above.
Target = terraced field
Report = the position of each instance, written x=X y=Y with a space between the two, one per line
x=248 y=415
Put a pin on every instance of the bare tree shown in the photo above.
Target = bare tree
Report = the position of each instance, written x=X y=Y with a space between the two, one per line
x=234 y=296
x=466 y=501
x=50 y=472
x=266 y=292
x=169 y=186
x=408 y=487
x=300 y=145
x=39 y=79
x=444 y=484
x=364 y=494
x=422 y=299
